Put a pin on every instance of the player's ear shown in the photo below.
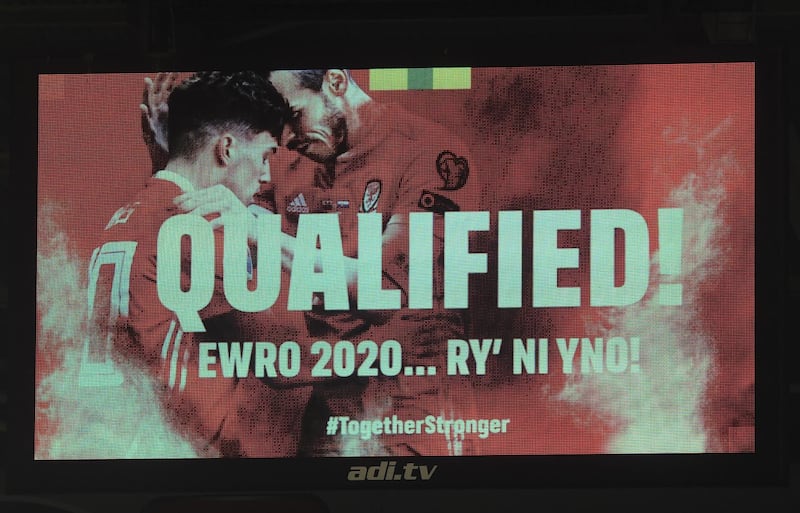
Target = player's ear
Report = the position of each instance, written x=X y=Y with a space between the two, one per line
x=224 y=149
x=336 y=81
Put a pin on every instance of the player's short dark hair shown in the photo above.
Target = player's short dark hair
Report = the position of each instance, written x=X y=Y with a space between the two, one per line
x=213 y=100
x=312 y=78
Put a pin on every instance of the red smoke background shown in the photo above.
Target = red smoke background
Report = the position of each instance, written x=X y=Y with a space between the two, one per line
x=541 y=138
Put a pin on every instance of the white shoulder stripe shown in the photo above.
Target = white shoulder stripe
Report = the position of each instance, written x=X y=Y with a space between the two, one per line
x=165 y=347
x=173 y=364
x=183 y=369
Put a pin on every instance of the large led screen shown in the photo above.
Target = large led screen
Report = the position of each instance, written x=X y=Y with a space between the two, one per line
x=396 y=262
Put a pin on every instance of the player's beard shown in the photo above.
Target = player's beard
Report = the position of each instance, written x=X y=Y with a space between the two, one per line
x=336 y=123
x=339 y=130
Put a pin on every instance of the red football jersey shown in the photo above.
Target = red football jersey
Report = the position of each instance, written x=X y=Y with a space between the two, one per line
x=225 y=416
x=398 y=163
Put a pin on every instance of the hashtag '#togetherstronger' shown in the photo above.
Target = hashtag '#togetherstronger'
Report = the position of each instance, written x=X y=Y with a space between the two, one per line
x=365 y=429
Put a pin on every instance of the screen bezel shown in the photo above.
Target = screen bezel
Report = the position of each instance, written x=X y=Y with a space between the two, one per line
x=767 y=465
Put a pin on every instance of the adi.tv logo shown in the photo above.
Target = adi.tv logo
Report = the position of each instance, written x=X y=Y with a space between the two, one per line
x=389 y=471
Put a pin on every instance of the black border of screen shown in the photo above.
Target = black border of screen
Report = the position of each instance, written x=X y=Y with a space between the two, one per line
x=768 y=465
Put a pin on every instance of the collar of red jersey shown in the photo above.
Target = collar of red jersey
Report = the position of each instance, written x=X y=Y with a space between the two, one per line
x=183 y=183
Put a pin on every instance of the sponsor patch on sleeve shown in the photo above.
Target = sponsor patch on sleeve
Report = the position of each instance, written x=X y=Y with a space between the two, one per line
x=436 y=203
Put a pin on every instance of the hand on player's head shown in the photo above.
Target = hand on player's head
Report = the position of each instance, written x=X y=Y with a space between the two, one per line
x=154 y=107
